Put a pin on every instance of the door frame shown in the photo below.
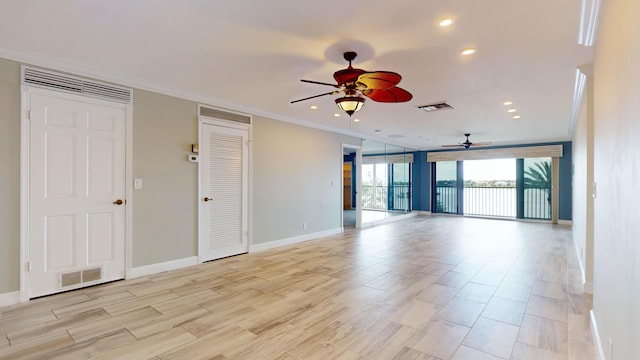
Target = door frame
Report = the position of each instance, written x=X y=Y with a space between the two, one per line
x=207 y=120
x=25 y=146
x=358 y=169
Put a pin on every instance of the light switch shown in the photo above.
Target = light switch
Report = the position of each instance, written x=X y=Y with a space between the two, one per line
x=137 y=184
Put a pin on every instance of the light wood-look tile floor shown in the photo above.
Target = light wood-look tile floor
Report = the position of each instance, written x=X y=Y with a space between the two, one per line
x=422 y=288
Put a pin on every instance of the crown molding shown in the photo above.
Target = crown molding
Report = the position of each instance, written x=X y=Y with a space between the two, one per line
x=589 y=16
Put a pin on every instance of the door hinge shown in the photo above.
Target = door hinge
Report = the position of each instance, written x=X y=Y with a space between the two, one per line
x=28 y=114
x=27 y=266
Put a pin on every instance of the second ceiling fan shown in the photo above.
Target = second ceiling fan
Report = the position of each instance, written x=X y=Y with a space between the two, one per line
x=468 y=144
x=355 y=83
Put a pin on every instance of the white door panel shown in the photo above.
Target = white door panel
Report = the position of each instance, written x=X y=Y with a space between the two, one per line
x=223 y=214
x=76 y=172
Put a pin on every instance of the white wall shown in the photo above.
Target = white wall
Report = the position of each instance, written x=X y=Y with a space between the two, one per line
x=297 y=175
x=582 y=185
x=165 y=210
x=617 y=173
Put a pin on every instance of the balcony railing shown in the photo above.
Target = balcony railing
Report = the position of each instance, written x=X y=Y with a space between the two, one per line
x=377 y=197
x=490 y=201
x=494 y=201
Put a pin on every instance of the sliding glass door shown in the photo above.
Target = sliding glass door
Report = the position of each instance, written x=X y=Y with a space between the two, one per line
x=446 y=187
x=499 y=188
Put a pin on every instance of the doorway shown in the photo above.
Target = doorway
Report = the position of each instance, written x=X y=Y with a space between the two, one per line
x=351 y=207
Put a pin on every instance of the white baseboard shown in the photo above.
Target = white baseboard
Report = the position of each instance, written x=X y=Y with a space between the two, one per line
x=596 y=335
x=293 y=240
x=10 y=298
x=588 y=288
x=565 y=222
x=582 y=271
x=161 y=267
x=389 y=219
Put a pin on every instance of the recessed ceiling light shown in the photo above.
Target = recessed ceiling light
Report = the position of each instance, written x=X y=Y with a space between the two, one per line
x=516 y=116
x=336 y=115
x=356 y=120
x=507 y=103
x=468 y=51
x=511 y=110
x=313 y=107
x=446 y=22
x=377 y=131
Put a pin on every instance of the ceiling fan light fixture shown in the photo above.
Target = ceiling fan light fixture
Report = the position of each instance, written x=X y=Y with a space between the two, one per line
x=350 y=104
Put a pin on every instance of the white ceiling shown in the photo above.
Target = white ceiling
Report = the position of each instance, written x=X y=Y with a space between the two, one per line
x=250 y=55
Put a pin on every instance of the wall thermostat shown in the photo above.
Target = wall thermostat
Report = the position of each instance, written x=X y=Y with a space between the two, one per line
x=192 y=158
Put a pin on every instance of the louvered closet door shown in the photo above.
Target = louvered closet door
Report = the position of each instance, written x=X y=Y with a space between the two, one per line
x=223 y=200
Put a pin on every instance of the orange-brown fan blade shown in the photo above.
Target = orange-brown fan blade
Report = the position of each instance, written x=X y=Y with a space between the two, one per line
x=379 y=80
x=394 y=94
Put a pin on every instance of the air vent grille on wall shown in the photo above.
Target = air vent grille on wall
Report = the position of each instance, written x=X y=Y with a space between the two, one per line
x=224 y=115
x=435 y=107
x=52 y=80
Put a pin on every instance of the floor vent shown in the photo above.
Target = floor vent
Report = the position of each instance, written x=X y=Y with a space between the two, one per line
x=68 y=83
x=79 y=277
x=224 y=115
x=435 y=107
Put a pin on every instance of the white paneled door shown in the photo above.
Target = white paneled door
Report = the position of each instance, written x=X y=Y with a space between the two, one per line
x=76 y=192
x=224 y=191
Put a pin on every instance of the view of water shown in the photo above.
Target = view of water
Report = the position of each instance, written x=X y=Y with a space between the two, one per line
x=497 y=201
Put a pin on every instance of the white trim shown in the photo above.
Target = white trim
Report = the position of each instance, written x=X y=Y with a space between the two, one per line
x=596 y=335
x=582 y=272
x=358 y=186
x=293 y=240
x=25 y=103
x=589 y=16
x=164 y=266
x=390 y=219
x=128 y=190
x=10 y=298
x=565 y=222
x=578 y=94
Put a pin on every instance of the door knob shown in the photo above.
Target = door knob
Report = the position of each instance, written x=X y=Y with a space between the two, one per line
x=118 y=202
x=208 y=199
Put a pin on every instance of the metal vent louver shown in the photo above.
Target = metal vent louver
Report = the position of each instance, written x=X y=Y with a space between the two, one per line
x=224 y=115
x=52 y=80
x=435 y=107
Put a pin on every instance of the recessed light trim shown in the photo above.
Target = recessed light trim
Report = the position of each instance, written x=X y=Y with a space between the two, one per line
x=511 y=110
x=313 y=107
x=516 y=116
x=336 y=115
x=507 y=103
x=446 y=22
x=356 y=120
x=468 y=51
